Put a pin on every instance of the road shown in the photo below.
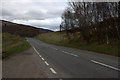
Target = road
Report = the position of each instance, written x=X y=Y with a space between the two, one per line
x=63 y=62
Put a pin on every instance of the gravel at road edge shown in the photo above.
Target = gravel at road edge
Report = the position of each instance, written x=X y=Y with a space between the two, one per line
x=21 y=65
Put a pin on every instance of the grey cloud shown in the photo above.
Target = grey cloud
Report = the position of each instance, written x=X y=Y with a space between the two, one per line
x=23 y=11
x=35 y=13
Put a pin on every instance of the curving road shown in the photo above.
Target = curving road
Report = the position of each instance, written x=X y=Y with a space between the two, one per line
x=63 y=62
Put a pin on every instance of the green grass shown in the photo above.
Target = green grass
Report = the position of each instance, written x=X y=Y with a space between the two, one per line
x=12 y=44
x=9 y=40
x=95 y=48
x=56 y=39
x=15 y=49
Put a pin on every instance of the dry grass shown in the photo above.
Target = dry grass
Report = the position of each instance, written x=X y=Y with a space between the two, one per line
x=12 y=44
x=57 y=39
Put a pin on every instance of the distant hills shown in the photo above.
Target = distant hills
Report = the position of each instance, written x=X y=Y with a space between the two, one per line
x=22 y=30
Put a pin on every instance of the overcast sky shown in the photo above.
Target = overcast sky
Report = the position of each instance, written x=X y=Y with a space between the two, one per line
x=38 y=13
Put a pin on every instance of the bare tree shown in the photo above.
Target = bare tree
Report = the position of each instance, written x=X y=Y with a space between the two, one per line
x=92 y=21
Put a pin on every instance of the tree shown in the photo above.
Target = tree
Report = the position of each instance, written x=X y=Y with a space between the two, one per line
x=92 y=21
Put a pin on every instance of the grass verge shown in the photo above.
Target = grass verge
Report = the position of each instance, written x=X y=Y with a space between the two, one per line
x=15 y=49
x=13 y=44
x=54 y=38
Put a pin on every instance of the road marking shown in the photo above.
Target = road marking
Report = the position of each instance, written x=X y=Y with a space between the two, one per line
x=105 y=65
x=43 y=59
x=74 y=55
x=35 y=50
x=70 y=53
x=55 y=48
x=46 y=63
x=66 y=52
x=53 y=71
x=40 y=56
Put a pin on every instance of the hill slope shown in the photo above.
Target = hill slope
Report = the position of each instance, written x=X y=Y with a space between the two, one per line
x=22 y=30
x=96 y=34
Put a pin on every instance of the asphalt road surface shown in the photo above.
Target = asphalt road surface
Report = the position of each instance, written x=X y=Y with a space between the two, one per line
x=63 y=62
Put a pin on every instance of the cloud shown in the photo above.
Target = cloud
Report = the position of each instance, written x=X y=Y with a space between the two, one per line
x=52 y=23
x=33 y=12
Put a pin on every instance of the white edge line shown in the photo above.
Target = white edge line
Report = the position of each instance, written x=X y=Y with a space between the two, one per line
x=53 y=71
x=38 y=53
x=46 y=63
x=35 y=50
x=43 y=59
x=40 y=56
x=105 y=65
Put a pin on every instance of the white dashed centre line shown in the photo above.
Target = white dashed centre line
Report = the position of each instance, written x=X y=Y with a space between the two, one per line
x=105 y=65
x=70 y=53
x=53 y=71
x=65 y=52
x=74 y=55
x=55 y=48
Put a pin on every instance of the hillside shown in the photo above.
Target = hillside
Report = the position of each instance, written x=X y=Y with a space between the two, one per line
x=22 y=30
x=96 y=34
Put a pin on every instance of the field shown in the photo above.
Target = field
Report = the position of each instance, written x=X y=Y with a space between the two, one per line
x=12 y=44
x=57 y=39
